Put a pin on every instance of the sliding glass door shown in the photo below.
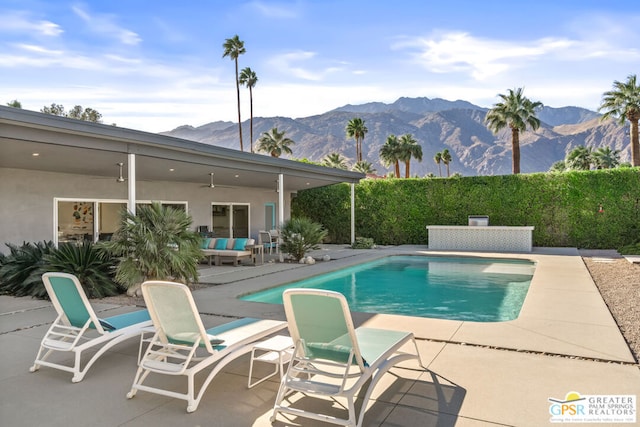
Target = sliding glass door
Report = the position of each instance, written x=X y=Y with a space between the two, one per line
x=230 y=220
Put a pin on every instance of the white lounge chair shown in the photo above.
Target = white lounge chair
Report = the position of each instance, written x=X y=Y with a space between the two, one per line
x=332 y=358
x=180 y=336
x=77 y=327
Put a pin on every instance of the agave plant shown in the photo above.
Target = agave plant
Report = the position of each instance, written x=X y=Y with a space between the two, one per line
x=300 y=235
x=21 y=270
x=91 y=264
x=155 y=244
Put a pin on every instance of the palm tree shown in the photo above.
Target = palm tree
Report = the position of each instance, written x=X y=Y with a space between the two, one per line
x=580 y=158
x=389 y=153
x=233 y=48
x=357 y=130
x=606 y=158
x=515 y=111
x=155 y=244
x=559 y=166
x=446 y=159
x=274 y=143
x=335 y=160
x=438 y=158
x=249 y=79
x=15 y=104
x=409 y=148
x=623 y=102
x=364 y=167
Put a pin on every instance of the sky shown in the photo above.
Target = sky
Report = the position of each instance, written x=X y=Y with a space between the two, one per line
x=156 y=65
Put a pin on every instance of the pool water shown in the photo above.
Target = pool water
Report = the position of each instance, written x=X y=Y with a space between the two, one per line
x=456 y=288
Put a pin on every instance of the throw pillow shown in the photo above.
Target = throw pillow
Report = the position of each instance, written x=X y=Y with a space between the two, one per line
x=240 y=244
x=205 y=243
x=221 y=244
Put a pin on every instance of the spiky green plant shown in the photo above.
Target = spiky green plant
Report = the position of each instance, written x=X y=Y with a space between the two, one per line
x=300 y=235
x=91 y=264
x=21 y=270
x=155 y=244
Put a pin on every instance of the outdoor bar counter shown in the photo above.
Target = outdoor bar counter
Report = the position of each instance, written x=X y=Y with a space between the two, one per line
x=480 y=238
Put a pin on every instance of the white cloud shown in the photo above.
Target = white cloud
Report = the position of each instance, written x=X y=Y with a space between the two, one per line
x=289 y=64
x=21 y=22
x=105 y=25
x=273 y=10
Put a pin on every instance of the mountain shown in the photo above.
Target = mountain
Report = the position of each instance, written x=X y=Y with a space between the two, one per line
x=436 y=124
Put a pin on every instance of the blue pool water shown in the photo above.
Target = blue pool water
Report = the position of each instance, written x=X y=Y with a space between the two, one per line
x=457 y=288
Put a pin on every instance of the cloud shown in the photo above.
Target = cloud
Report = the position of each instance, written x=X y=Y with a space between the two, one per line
x=288 y=63
x=479 y=57
x=272 y=10
x=20 y=22
x=105 y=25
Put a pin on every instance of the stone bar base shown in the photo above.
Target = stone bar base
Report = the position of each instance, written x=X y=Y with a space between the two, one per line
x=480 y=238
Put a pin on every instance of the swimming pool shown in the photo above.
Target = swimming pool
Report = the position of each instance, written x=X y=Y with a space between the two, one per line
x=456 y=288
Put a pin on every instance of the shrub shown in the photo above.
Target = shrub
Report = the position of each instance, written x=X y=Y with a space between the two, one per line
x=300 y=235
x=363 y=243
x=21 y=270
x=155 y=244
x=91 y=264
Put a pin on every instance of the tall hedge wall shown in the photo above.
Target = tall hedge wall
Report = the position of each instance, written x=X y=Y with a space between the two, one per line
x=564 y=208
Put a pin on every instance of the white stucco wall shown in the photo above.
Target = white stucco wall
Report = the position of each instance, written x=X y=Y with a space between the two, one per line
x=27 y=200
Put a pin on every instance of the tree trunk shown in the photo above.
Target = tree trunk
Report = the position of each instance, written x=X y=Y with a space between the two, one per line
x=515 y=148
x=635 y=145
x=251 y=122
x=407 y=173
x=239 y=119
x=397 y=169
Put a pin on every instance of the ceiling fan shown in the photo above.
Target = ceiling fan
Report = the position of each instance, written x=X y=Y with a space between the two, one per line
x=211 y=183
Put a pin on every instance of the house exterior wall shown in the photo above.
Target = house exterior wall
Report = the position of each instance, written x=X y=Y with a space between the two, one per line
x=27 y=201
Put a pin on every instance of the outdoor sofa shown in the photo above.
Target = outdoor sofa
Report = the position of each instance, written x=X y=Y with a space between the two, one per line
x=226 y=249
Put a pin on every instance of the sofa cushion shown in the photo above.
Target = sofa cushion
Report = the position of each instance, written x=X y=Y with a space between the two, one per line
x=212 y=243
x=221 y=243
x=239 y=244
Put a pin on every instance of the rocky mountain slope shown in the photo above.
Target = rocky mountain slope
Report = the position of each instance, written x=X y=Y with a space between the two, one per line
x=436 y=124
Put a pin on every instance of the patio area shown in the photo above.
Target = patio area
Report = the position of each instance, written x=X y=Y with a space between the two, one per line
x=564 y=340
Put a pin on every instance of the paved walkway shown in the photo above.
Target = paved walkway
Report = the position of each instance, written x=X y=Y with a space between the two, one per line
x=478 y=374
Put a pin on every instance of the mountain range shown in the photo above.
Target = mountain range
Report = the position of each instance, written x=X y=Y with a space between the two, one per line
x=436 y=124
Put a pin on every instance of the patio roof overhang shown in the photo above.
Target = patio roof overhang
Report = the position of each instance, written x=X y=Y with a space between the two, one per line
x=77 y=147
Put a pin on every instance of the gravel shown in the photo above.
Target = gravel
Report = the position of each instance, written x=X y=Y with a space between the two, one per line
x=619 y=283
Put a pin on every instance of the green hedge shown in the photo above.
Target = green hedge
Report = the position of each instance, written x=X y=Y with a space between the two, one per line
x=564 y=208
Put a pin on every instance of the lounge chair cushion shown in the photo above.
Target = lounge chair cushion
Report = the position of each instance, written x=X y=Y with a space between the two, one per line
x=220 y=244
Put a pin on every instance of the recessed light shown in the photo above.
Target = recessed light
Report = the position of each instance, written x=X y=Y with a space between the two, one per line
x=35 y=154
x=237 y=176
x=171 y=169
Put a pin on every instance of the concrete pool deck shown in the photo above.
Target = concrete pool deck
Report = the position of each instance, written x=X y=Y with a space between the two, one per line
x=564 y=340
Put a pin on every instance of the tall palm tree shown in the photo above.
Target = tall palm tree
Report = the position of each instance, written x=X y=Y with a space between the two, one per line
x=357 y=130
x=249 y=79
x=606 y=158
x=335 y=160
x=516 y=111
x=274 y=143
x=623 y=102
x=389 y=153
x=438 y=159
x=559 y=166
x=409 y=148
x=233 y=48
x=364 y=167
x=580 y=158
x=446 y=159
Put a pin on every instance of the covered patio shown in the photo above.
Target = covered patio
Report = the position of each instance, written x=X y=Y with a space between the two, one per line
x=47 y=160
